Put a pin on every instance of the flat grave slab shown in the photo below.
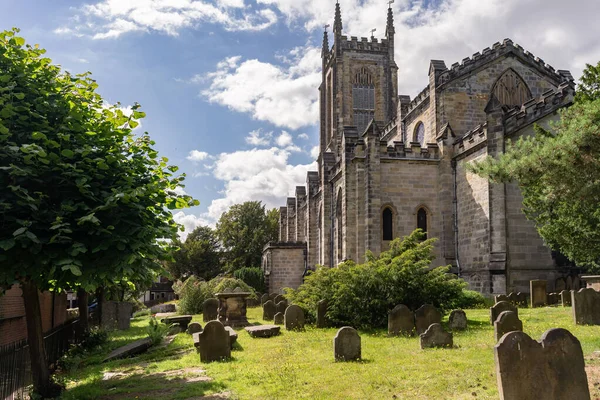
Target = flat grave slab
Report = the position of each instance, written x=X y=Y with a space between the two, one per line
x=182 y=320
x=263 y=331
x=131 y=349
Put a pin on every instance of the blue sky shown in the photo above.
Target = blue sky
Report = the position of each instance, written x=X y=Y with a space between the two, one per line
x=230 y=86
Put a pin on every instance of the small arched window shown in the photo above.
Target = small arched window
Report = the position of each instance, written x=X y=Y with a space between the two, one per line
x=419 y=133
x=422 y=220
x=388 y=224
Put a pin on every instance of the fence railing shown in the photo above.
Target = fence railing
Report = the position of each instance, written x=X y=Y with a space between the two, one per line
x=15 y=366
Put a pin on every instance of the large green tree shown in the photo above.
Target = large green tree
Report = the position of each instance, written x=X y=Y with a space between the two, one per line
x=85 y=201
x=558 y=172
x=199 y=255
x=244 y=230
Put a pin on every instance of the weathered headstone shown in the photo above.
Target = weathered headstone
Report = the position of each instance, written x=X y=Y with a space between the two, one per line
x=264 y=298
x=130 y=349
x=518 y=299
x=401 y=321
x=210 y=310
x=321 y=314
x=214 y=342
x=565 y=298
x=278 y=319
x=182 y=320
x=281 y=306
x=272 y=296
x=293 y=318
x=425 y=316
x=560 y=285
x=552 y=299
x=269 y=310
x=263 y=331
x=279 y=298
x=457 y=320
x=537 y=289
x=194 y=327
x=551 y=369
x=507 y=321
x=586 y=306
x=435 y=336
x=346 y=344
x=497 y=308
x=500 y=297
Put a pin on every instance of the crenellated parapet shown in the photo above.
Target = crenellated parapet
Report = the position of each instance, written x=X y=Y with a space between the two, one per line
x=364 y=44
x=419 y=100
x=471 y=140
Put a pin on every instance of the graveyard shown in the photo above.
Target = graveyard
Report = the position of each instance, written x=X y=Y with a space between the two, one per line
x=301 y=364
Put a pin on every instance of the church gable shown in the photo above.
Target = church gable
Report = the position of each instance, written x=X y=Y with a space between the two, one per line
x=510 y=89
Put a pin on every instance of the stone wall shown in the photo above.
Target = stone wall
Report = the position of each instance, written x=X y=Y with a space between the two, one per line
x=283 y=264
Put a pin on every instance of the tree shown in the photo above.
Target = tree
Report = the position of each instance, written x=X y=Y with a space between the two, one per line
x=199 y=255
x=85 y=201
x=244 y=230
x=558 y=172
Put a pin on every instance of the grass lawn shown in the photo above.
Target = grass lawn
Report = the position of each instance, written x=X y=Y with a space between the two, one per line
x=300 y=365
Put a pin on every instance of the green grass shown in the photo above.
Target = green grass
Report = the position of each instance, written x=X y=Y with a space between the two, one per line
x=300 y=365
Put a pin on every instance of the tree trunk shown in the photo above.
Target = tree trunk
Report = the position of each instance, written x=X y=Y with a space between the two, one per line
x=82 y=301
x=99 y=301
x=35 y=338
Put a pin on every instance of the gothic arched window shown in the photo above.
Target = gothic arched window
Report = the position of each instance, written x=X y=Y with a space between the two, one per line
x=363 y=99
x=419 y=134
x=339 y=224
x=511 y=90
x=422 y=220
x=387 y=224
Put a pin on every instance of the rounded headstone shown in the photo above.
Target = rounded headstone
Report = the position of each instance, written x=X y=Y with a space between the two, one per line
x=425 y=316
x=281 y=306
x=346 y=344
x=214 y=342
x=435 y=336
x=279 y=298
x=507 y=321
x=272 y=296
x=500 y=307
x=194 y=327
x=264 y=298
x=401 y=321
x=210 y=310
x=457 y=320
x=269 y=310
x=279 y=318
x=293 y=318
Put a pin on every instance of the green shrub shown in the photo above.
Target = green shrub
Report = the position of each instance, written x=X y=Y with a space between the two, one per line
x=361 y=295
x=253 y=277
x=469 y=299
x=193 y=292
x=219 y=284
x=156 y=331
x=141 y=313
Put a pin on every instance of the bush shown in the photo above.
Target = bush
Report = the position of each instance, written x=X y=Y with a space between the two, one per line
x=141 y=313
x=193 y=292
x=470 y=299
x=253 y=277
x=361 y=295
x=156 y=331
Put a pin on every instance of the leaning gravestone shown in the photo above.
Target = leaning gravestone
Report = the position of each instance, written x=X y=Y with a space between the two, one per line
x=497 y=308
x=507 y=321
x=279 y=298
x=321 y=314
x=401 y=321
x=293 y=318
x=586 y=306
x=278 y=319
x=130 y=349
x=457 y=320
x=281 y=306
x=537 y=289
x=346 y=344
x=425 y=316
x=214 y=342
x=551 y=369
x=435 y=336
x=210 y=310
x=269 y=310
x=565 y=298
x=500 y=297
x=552 y=299
x=264 y=298
x=194 y=327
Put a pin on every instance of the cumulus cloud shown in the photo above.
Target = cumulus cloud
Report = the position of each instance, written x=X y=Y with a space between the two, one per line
x=191 y=222
x=303 y=136
x=284 y=95
x=108 y=19
x=258 y=138
x=197 y=156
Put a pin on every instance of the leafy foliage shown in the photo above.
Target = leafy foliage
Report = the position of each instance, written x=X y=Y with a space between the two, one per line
x=244 y=230
x=589 y=85
x=156 y=331
x=361 y=295
x=193 y=291
x=199 y=255
x=557 y=171
x=253 y=277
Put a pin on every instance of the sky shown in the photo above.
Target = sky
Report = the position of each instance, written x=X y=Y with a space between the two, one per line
x=230 y=87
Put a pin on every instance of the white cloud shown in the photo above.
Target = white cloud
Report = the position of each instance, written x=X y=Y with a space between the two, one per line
x=106 y=19
x=258 y=138
x=191 y=222
x=314 y=152
x=303 y=136
x=286 y=96
x=284 y=140
x=197 y=156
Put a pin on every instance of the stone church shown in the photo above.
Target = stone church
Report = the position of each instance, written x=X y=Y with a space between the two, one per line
x=389 y=164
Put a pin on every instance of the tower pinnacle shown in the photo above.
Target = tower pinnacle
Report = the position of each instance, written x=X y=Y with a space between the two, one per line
x=325 y=48
x=337 y=24
x=390 y=30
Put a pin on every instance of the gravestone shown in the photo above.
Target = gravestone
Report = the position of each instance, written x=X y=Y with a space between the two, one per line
x=435 y=336
x=507 y=321
x=457 y=320
x=130 y=349
x=500 y=297
x=497 y=308
x=552 y=299
x=116 y=315
x=264 y=298
x=321 y=314
x=537 y=290
x=565 y=298
x=281 y=306
x=214 y=342
x=551 y=369
x=425 y=316
x=346 y=344
x=263 y=331
x=194 y=327
x=518 y=299
x=293 y=318
x=272 y=296
x=174 y=329
x=269 y=310
x=279 y=298
x=401 y=321
x=560 y=285
x=182 y=320
x=586 y=306
x=232 y=335
x=210 y=310
x=278 y=318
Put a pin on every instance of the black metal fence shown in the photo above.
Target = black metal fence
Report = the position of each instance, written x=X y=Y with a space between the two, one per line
x=15 y=366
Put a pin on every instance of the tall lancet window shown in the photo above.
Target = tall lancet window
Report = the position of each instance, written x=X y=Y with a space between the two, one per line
x=511 y=90
x=363 y=99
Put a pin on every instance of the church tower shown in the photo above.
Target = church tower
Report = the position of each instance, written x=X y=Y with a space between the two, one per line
x=359 y=83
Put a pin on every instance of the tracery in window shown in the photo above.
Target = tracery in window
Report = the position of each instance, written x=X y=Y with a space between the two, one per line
x=363 y=99
x=511 y=90
x=420 y=134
